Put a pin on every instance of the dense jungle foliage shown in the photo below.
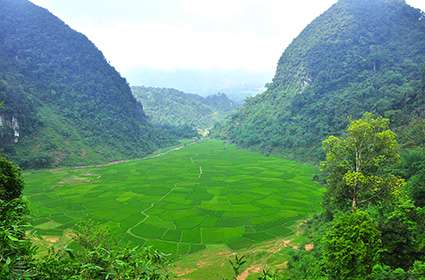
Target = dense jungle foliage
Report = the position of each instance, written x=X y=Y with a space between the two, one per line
x=63 y=103
x=373 y=223
x=167 y=106
x=359 y=56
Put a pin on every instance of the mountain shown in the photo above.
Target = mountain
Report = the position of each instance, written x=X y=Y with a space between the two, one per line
x=168 y=106
x=221 y=103
x=63 y=104
x=237 y=84
x=358 y=56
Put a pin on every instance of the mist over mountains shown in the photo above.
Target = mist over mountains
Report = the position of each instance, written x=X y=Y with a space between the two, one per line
x=237 y=85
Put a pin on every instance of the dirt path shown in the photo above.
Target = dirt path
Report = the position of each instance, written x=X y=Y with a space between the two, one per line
x=200 y=172
x=252 y=269
x=129 y=160
x=165 y=152
x=123 y=161
x=144 y=213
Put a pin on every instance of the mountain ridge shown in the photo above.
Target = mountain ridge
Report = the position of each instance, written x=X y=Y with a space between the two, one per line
x=358 y=56
x=168 y=106
x=71 y=106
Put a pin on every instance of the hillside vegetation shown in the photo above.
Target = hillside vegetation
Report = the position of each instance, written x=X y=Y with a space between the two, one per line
x=63 y=103
x=167 y=106
x=359 y=56
x=372 y=225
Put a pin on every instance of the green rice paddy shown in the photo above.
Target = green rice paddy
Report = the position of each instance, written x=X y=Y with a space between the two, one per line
x=181 y=201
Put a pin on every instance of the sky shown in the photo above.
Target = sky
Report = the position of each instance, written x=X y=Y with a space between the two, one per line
x=227 y=40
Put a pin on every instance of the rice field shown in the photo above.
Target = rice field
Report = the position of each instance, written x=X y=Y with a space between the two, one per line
x=181 y=201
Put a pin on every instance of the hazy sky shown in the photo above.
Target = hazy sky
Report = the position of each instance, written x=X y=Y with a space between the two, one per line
x=205 y=35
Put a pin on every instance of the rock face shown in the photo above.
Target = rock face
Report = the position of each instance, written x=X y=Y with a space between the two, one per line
x=9 y=128
x=360 y=55
x=61 y=99
x=15 y=128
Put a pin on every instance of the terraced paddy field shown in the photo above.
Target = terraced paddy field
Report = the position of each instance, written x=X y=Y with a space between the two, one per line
x=197 y=196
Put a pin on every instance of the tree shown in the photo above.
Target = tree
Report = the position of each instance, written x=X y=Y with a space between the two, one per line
x=413 y=169
x=11 y=184
x=418 y=270
x=418 y=189
x=398 y=234
x=352 y=246
x=358 y=164
x=15 y=250
x=383 y=272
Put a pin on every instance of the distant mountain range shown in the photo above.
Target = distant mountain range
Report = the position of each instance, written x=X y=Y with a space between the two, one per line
x=63 y=104
x=237 y=85
x=360 y=55
x=168 y=106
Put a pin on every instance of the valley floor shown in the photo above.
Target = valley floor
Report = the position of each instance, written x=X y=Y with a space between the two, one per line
x=199 y=202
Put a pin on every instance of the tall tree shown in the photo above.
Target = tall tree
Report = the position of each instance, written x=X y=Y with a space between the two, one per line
x=15 y=250
x=358 y=164
x=11 y=183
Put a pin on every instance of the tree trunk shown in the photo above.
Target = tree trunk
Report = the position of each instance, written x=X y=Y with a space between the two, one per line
x=357 y=168
x=354 y=204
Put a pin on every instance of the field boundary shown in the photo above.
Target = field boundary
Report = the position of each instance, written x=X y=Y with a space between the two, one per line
x=153 y=155
x=130 y=230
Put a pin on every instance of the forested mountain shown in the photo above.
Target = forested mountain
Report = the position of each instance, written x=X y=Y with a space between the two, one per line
x=62 y=102
x=173 y=107
x=359 y=56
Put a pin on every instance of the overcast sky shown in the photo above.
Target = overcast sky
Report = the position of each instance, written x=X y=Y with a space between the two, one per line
x=205 y=35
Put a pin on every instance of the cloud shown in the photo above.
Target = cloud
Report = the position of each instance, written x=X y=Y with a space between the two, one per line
x=191 y=34
x=420 y=4
x=168 y=46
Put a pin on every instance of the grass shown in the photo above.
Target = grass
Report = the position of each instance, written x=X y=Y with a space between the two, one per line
x=207 y=195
